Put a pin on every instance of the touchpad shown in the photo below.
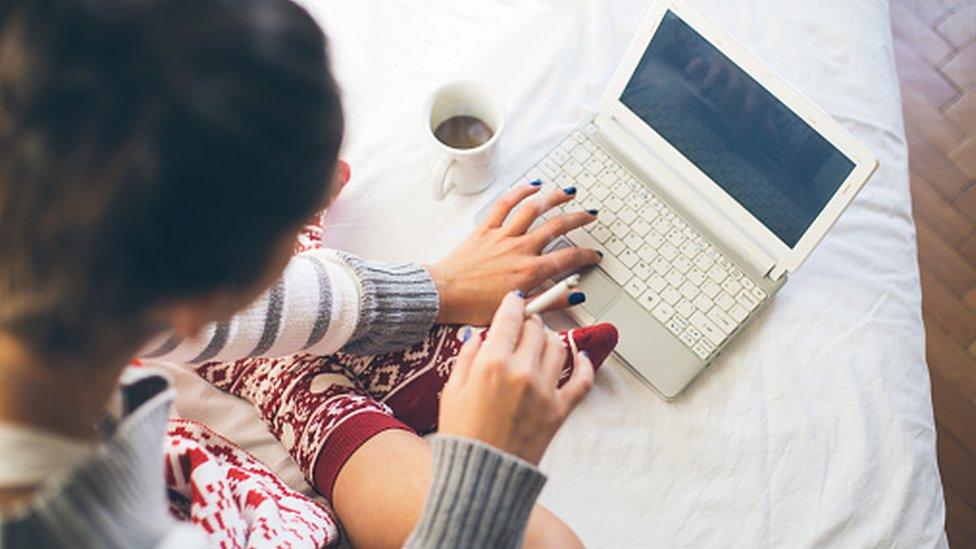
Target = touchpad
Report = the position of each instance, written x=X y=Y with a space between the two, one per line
x=599 y=289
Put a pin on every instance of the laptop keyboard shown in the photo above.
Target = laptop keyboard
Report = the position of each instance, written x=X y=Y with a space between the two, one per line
x=681 y=279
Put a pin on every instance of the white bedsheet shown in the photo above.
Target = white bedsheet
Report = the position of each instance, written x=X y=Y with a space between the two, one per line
x=816 y=427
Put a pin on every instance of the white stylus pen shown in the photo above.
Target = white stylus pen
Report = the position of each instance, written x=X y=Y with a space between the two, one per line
x=550 y=296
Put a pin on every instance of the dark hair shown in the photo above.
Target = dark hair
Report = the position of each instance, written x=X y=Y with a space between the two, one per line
x=151 y=150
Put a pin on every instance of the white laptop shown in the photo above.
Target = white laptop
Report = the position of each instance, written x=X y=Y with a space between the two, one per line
x=714 y=179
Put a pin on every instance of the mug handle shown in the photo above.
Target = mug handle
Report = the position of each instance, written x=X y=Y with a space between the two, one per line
x=441 y=174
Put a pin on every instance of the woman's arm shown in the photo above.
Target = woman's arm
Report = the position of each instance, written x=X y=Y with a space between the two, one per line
x=325 y=301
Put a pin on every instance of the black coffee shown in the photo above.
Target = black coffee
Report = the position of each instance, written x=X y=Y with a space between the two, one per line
x=463 y=132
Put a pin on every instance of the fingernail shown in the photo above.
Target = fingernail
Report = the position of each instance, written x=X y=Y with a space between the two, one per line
x=536 y=182
x=593 y=211
x=467 y=335
x=599 y=253
x=570 y=190
x=576 y=298
x=520 y=294
x=586 y=354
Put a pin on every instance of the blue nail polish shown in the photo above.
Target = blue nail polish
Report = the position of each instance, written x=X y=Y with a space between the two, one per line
x=586 y=354
x=467 y=335
x=536 y=183
x=576 y=298
x=520 y=293
x=599 y=253
x=593 y=211
x=570 y=190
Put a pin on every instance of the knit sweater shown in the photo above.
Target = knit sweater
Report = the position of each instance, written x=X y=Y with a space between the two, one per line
x=325 y=301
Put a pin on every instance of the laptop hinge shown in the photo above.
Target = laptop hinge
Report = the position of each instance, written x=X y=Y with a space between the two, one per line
x=776 y=273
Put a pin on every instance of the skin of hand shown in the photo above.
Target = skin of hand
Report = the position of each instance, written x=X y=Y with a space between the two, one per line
x=501 y=255
x=503 y=391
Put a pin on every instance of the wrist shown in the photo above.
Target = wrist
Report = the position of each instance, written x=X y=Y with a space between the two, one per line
x=444 y=284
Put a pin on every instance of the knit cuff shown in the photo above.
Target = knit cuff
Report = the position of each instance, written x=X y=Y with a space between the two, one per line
x=479 y=497
x=397 y=307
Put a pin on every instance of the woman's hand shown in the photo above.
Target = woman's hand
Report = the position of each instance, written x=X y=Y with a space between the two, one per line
x=501 y=255
x=503 y=391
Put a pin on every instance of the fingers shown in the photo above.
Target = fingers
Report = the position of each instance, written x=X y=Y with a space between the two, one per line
x=531 y=343
x=506 y=327
x=579 y=383
x=553 y=359
x=558 y=226
x=563 y=261
x=506 y=204
x=531 y=210
x=464 y=360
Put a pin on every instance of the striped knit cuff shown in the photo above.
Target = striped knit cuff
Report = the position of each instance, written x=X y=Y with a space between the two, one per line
x=397 y=307
x=479 y=497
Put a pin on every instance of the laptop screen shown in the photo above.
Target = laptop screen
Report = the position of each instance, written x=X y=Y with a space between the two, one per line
x=748 y=142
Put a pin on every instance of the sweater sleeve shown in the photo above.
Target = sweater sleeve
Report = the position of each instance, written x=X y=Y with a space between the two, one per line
x=324 y=302
x=479 y=497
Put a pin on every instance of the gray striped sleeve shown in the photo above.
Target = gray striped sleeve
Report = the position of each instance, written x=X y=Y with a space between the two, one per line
x=397 y=307
x=479 y=497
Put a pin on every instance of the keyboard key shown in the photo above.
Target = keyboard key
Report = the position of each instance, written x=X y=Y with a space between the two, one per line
x=599 y=191
x=619 y=228
x=685 y=308
x=580 y=154
x=708 y=328
x=648 y=213
x=626 y=215
x=567 y=145
x=607 y=218
x=642 y=270
x=628 y=258
x=654 y=239
x=738 y=314
x=668 y=251
x=649 y=300
x=600 y=232
x=700 y=350
x=663 y=312
x=662 y=225
x=558 y=156
x=577 y=136
x=713 y=253
x=593 y=166
x=703 y=303
x=613 y=204
x=615 y=245
x=633 y=241
x=634 y=201
x=689 y=290
x=640 y=227
x=549 y=168
x=746 y=283
x=607 y=177
x=710 y=289
x=682 y=264
x=696 y=276
x=572 y=166
x=704 y=262
x=731 y=286
x=758 y=293
x=724 y=301
x=689 y=249
x=660 y=265
x=657 y=283
x=681 y=322
x=671 y=295
x=673 y=326
x=676 y=237
x=635 y=287
x=600 y=155
x=647 y=253
x=747 y=300
x=585 y=181
x=717 y=273
x=680 y=224
x=674 y=278
x=564 y=180
x=687 y=338
x=722 y=320
x=620 y=189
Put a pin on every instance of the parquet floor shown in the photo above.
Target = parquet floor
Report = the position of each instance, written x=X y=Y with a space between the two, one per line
x=935 y=47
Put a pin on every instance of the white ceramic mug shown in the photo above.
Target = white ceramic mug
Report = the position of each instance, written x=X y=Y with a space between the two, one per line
x=468 y=171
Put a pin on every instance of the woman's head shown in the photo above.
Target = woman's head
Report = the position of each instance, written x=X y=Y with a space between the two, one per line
x=152 y=153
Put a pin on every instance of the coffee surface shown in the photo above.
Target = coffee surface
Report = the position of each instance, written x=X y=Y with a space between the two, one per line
x=463 y=132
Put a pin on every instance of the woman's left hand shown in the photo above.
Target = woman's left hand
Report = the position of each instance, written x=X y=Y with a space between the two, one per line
x=501 y=255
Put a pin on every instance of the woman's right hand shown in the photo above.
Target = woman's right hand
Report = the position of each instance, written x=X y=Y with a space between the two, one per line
x=503 y=391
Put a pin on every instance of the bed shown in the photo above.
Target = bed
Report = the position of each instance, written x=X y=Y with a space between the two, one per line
x=816 y=427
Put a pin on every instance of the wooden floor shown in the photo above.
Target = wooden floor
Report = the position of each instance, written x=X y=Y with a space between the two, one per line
x=935 y=45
